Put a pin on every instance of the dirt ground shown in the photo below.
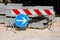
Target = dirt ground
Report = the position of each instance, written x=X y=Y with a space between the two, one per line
x=32 y=34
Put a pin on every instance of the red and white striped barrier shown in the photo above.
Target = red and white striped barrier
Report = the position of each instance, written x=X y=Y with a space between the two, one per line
x=33 y=12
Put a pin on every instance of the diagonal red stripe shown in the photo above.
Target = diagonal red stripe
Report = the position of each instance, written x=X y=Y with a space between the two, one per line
x=27 y=12
x=48 y=12
x=38 y=12
x=16 y=11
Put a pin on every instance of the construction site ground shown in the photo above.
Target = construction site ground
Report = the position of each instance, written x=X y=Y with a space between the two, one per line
x=31 y=34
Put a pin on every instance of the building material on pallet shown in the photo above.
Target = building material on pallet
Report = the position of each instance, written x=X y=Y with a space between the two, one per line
x=34 y=12
x=9 y=21
x=2 y=13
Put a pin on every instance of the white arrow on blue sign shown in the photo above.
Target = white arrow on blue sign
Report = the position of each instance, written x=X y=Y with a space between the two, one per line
x=21 y=20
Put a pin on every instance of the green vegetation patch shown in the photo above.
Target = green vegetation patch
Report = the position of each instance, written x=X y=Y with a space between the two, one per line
x=57 y=15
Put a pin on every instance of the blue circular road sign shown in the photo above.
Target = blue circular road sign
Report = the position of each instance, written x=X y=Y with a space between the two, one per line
x=21 y=20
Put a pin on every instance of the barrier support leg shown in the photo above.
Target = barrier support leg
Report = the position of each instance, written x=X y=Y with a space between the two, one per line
x=13 y=29
x=51 y=28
